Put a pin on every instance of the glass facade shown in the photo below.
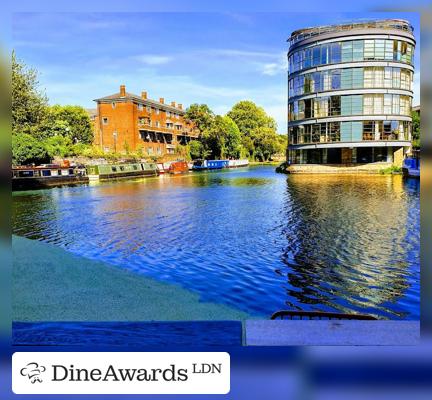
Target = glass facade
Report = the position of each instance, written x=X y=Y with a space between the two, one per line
x=350 y=105
x=351 y=78
x=350 y=131
x=351 y=51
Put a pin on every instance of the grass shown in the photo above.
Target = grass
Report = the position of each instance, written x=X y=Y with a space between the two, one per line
x=391 y=170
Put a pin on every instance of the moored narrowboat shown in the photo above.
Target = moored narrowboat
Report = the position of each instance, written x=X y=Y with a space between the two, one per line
x=119 y=171
x=238 y=163
x=209 y=164
x=46 y=175
x=178 y=167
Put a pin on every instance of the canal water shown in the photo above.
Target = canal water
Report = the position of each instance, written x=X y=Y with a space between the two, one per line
x=249 y=238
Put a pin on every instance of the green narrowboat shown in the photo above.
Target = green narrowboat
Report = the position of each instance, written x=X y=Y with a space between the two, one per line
x=117 y=171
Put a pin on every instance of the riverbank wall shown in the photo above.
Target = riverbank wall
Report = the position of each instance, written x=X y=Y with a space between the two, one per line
x=369 y=168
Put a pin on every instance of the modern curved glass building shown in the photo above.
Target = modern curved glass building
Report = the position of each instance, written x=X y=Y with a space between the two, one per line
x=350 y=93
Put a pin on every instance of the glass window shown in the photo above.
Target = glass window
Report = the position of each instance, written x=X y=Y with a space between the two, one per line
x=368 y=77
x=368 y=130
x=358 y=50
x=325 y=52
x=387 y=104
x=346 y=105
x=357 y=104
x=356 y=131
x=346 y=78
x=388 y=80
x=347 y=51
x=379 y=49
x=346 y=131
x=368 y=104
x=396 y=104
x=369 y=49
x=336 y=52
x=316 y=55
x=326 y=80
x=335 y=105
x=317 y=82
x=379 y=77
x=335 y=79
x=357 y=78
x=396 y=77
x=388 y=50
x=308 y=108
x=307 y=58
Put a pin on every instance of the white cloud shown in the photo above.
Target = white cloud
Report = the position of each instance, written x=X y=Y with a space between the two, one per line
x=153 y=59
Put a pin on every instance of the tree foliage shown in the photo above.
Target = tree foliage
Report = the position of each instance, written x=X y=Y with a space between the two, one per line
x=201 y=115
x=26 y=149
x=29 y=104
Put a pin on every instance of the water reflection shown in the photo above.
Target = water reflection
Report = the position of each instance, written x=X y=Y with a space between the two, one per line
x=348 y=240
x=249 y=238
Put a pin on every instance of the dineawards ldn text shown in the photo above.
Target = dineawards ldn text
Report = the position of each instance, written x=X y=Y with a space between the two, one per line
x=61 y=373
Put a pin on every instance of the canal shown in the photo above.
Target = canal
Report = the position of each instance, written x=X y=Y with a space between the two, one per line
x=248 y=238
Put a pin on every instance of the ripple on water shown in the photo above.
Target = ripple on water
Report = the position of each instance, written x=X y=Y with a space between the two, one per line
x=250 y=238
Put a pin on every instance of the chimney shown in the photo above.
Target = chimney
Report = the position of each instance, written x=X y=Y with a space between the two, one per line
x=180 y=106
x=144 y=95
x=122 y=91
x=173 y=103
x=161 y=100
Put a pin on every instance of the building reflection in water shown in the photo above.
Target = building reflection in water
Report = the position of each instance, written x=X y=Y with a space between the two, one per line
x=351 y=244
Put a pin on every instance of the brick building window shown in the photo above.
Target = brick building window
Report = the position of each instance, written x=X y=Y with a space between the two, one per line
x=105 y=120
x=113 y=105
x=140 y=107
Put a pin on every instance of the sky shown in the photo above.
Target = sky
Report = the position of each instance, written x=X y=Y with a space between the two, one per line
x=187 y=57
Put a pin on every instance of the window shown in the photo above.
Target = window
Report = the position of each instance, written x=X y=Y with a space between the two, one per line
x=308 y=108
x=336 y=52
x=388 y=50
x=317 y=82
x=316 y=54
x=149 y=150
x=347 y=51
x=141 y=120
x=168 y=114
x=336 y=79
x=140 y=107
x=46 y=172
x=358 y=50
x=325 y=54
x=396 y=77
x=368 y=77
x=105 y=120
x=369 y=49
x=387 y=104
x=379 y=49
x=388 y=80
x=114 y=169
x=321 y=107
x=157 y=111
x=113 y=105
x=157 y=124
x=148 y=108
x=396 y=104
x=335 y=105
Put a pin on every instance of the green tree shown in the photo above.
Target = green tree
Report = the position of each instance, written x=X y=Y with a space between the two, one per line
x=201 y=115
x=69 y=121
x=233 y=147
x=29 y=104
x=248 y=116
x=415 y=128
x=26 y=149
x=266 y=143
x=59 y=146
x=196 y=149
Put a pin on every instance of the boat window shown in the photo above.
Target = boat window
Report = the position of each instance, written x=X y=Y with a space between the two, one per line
x=114 y=169
x=46 y=172
x=135 y=167
x=121 y=168
x=25 y=174
x=71 y=171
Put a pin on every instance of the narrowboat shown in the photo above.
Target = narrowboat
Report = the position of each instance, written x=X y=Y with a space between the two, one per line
x=411 y=167
x=238 y=163
x=46 y=175
x=178 y=167
x=119 y=171
x=199 y=165
x=161 y=168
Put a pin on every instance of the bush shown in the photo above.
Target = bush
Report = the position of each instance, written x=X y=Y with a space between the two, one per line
x=26 y=149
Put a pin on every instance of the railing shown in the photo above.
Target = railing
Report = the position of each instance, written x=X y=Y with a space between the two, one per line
x=288 y=314
x=307 y=33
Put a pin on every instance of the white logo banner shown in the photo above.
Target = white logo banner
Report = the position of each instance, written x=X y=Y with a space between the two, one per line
x=120 y=373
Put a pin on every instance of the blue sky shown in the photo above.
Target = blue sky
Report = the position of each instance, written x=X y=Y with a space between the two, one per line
x=213 y=58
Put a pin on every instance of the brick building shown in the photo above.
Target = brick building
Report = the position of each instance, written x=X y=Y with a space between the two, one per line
x=124 y=121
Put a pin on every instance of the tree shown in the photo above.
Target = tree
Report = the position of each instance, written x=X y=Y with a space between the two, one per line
x=69 y=121
x=29 y=104
x=196 y=149
x=266 y=143
x=258 y=130
x=415 y=128
x=26 y=149
x=201 y=115
x=248 y=116
x=59 y=146
x=233 y=147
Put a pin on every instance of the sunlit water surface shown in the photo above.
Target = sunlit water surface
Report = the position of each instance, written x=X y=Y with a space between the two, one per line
x=249 y=238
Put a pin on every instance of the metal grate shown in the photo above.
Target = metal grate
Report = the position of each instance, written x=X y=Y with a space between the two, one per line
x=287 y=314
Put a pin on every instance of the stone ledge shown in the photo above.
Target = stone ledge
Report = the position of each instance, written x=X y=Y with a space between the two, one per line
x=331 y=333
x=370 y=168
